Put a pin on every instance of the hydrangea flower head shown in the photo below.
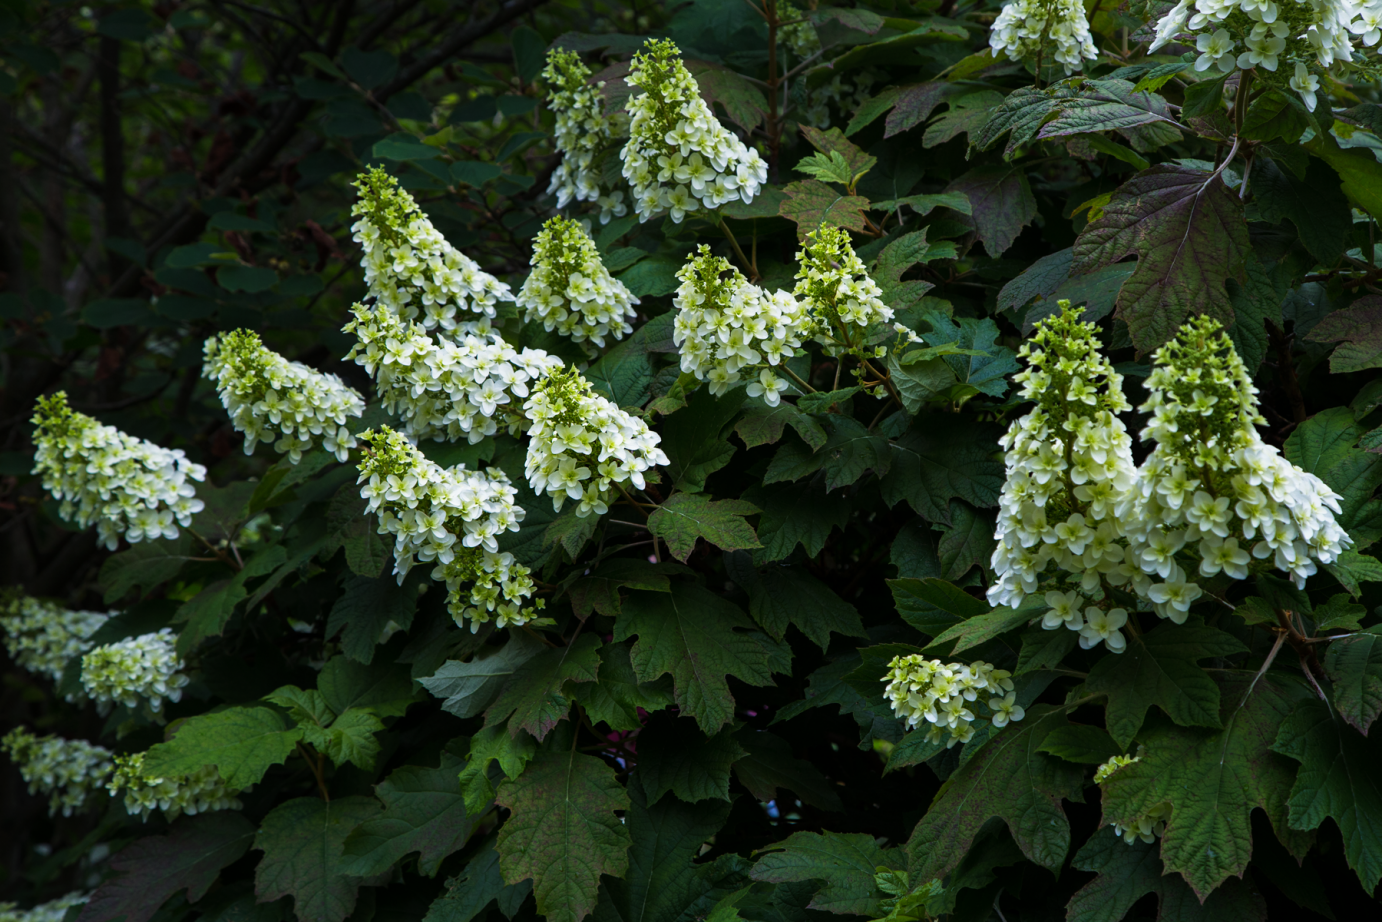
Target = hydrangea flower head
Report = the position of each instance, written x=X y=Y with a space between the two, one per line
x=43 y=637
x=947 y=696
x=145 y=667
x=571 y=291
x=679 y=159
x=1211 y=487
x=726 y=327
x=126 y=487
x=582 y=446
x=834 y=286
x=583 y=129
x=203 y=791
x=68 y=771
x=1069 y=465
x=452 y=517
x=411 y=269
x=1027 y=29
x=266 y=396
x=51 y=911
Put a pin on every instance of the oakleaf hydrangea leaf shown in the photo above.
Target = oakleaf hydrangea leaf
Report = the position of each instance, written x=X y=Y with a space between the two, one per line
x=302 y=842
x=241 y=742
x=424 y=812
x=1355 y=666
x=846 y=863
x=684 y=517
x=536 y=699
x=675 y=757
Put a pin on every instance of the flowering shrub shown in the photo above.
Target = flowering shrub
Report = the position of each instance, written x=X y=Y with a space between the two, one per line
x=731 y=461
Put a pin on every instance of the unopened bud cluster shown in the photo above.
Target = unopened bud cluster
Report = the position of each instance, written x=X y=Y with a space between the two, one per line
x=271 y=399
x=51 y=911
x=411 y=269
x=583 y=129
x=203 y=791
x=946 y=696
x=1028 y=29
x=834 y=286
x=145 y=668
x=43 y=637
x=581 y=446
x=453 y=518
x=126 y=487
x=726 y=326
x=67 y=771
x=679 y=159
x=571 y=291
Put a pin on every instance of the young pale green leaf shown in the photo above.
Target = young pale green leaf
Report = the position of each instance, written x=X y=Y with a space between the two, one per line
x=1213 y=780
x=770 y=767
x=675 y=757
x=242 y=742
x=1337 y=779
x=537 y=697
x=469 y=687
x=846 y=863
x=493 y=744
x=617 y=698
x=1008 y=778
x=700 y=639
x=563 y=832
x=685 y=517
x=1354 y=664
x=830 y=167
x=1161 y=667
x=833 y=143
x=424 y=812
x=150 y=870
x=302 y=841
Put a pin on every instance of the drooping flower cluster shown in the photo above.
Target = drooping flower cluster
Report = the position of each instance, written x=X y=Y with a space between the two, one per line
x=145 y=667
x=1263 y=34
x=940 y=694
x=1211 y=487
x=1069 y=464
x=1028 y=29
x=582 y=131
x=679 y=158
x=51 y=911
x=725 y=325
x=67 y=771
x=1149 y=827
x=43 y=637
x=582 y=446
x=203 y=791
x=271 y=399
x=452 y=517
x=444 y=388
x=411 y=269
x=126 y=487
x=834 y=286
x=571 y=291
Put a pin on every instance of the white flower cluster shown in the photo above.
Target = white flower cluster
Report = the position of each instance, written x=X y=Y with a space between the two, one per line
x=1149 y=827
x=266 y=396
x=1270 y=32
x=203 y=791
x=582 y=130
x=571 y=291
x=449 y=388
x=581 y=446
x=125 y=486
x=42 y=637
x=146 y=667
x=940 y=694
x=679 y=158
x=834 y=286
x=411 y=269
x=68 y=771
x=725 y=324
x=1211 y=486
x=453 y=517
x=51 y=911
x=1069 y=464
x=1025 y=28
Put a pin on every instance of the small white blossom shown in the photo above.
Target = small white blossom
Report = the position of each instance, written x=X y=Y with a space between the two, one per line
x=203 y=791
x=571 y=291
x=68 y=771
x=1025 y=27
x=945 y=696
x=51 y=911
x=834 y=286
x=145 y=667
x=583 y=129
x=43 y=637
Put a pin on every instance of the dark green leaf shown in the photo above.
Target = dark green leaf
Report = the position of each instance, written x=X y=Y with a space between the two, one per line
x=940 y=458
x=685 y=517
x=933 y=605
x=368 y=607
x=385 y=688
x=674 y=756
x=693 y=441
x=1359 y=329
x=780 y=595
x=468 y=894
x=845 y=863
x=1354 y=664
x=811 y=203
x=424 y=812
x=770 y=766
x=144 y=566
x=242 y=742
x=537 y=698
x=1315 y=205
x=1080 y=743
x=302 y=843
x=1275 y=114
x=1001 y=201
x=796 y=514
x=469 y=687
x=618 y=696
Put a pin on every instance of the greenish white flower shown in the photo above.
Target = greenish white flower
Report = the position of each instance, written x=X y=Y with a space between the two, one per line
x=1027 y=29
x=945 y=696
x=833 y=285
x=126 y=487
x=51 y=911
x=203 y=791
x=583 y=129
x=271 y=399
x=43 y=637
x=145 y=668
x=571 y=291
x=67 y=771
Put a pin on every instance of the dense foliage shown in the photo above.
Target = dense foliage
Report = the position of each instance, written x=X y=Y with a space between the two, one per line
x=721 y=460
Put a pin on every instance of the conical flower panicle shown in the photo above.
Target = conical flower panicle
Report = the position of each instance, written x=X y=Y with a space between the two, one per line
x=726 y=326
x=1069 y=465
x=139 y=669
x=411 y=269
x=203 y=791
x=68 y=771
x=1212 y=491
x=679 y=159
x=945 y=696
x=834 y=286
x=571 y=291
x=43 y=637
x=582 y=130
x=1027 y=29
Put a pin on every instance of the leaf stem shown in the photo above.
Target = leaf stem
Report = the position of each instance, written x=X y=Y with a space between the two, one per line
x=738 y=251
x=315 y=766
x=793 y=375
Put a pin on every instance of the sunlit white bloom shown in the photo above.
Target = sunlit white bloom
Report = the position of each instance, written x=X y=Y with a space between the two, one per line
x=143 y=669
x=1025 y=27
x=582 y=130
x=571 y=291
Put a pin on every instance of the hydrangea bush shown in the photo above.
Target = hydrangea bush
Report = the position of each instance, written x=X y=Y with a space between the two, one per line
x=744 y=462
